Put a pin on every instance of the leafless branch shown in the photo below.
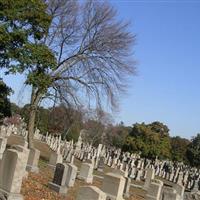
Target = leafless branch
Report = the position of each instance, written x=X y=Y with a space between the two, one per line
x=93 y=49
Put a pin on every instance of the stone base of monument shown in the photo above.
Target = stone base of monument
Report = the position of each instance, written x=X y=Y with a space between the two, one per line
x=60 y=189
x=10 y=196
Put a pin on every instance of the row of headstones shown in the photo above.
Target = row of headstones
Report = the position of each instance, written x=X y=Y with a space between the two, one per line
x=85 y=174
x=186 y=178
x=63 y=173
x=33 y=161
x=53 y=141
x=157 y=191
x=114 y=186
x=6 y=131
x=15 y=164
x=182 y=176
x=135 y=172
x=139 y=172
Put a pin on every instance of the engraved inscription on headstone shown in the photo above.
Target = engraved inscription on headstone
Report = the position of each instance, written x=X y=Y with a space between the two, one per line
x=58 y=175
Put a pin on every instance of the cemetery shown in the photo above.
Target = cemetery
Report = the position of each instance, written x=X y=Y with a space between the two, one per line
x=74 y=124
x=76 y=173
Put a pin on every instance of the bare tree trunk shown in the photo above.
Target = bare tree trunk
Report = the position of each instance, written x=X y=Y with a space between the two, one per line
x=35 y=98
x=31 y=125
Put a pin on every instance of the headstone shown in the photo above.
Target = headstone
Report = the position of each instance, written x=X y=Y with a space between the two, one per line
x=169 y=194
x=180 y=178
x=113 y=186
x=72 y=159
x=127 y=187
x=25 y=151
x=32 y=165
x=69 y=157
x=149 y=176
x=3 y=132
x=97 y=155
x=133 y=172
x=71 y=175
x=192 y=196
x=154 y=191
x=86 y=172
x=101 y=164
x=3 y=142
x=59 y=180
x=12 y=170
x=54 y=159
x=195 y=188
x=79 y=142
x=139 y=174
x=90 y=193
x=179 y=189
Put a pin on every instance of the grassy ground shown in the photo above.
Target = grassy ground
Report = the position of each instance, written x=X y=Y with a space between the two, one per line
x=45 y=151
x=35 y=187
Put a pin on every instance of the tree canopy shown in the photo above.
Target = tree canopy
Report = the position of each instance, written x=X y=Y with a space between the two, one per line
x=179 y=147
x=193 y=151
x=22 y=24
x=5 y=106
x=70 y=51
x=151 y=140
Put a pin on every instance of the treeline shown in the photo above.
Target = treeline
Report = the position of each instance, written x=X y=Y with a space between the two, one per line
x=150 y=140
x=69 y=121
x=153 y=141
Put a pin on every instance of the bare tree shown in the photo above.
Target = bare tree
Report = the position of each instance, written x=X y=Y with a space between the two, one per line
x=95 y=122
x=93 y=50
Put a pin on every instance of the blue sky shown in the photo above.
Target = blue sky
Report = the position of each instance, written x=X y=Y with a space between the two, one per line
x=168 y=52
x=166 y=88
